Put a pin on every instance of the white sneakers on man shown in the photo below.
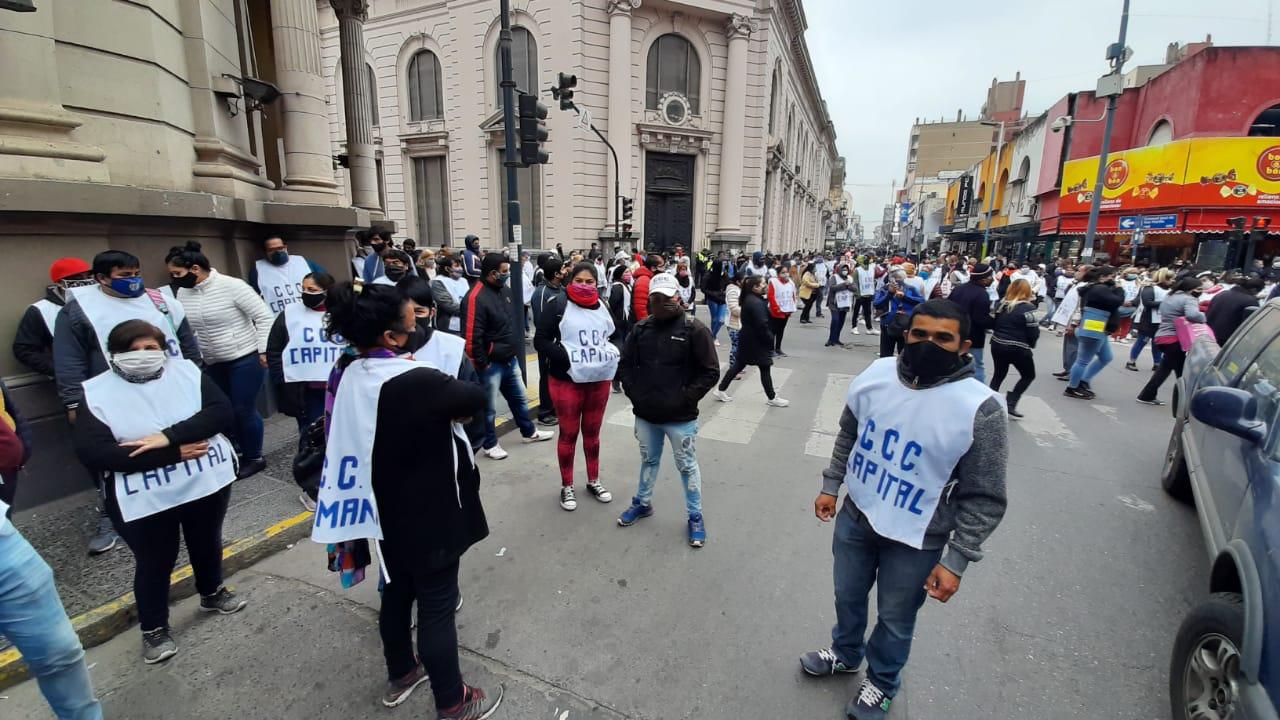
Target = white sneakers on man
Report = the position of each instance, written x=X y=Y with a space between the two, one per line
x=856 y=331
x=539 y=436
x=777 y=402
x=722 y=396
x=495 y=453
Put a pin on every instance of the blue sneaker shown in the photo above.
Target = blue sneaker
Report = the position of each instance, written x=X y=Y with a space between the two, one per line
x=637 y=511
x=697 y=531
x=871 y=703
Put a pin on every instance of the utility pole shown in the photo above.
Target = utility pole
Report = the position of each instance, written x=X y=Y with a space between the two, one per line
x=515 y=233
x=1117 y=55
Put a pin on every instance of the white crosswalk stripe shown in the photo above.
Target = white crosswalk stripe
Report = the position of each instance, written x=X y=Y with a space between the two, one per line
x=826 y=423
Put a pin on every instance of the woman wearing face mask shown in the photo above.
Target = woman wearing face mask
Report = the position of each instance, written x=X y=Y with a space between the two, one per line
x=620 y=309
x=688 y=292
x=713 y=288
x=233 y=325
x=413 y=470
x=1129 y=283
x=782 y=303
x=574 y=333
x=1099 y=303
x=897 y=299
x=1148 y=318
x=755 y=342
x=809 y=286
x=155 y=425
x=1013 y=339
x=733 y=303
x=397 y=264
x=841 y=293
x=300 y=354
x=448 y=290
x=1182 y=302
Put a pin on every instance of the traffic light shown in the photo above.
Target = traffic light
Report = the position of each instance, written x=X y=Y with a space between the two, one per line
x=628 y=208
x=533 y=131
x=564 y=90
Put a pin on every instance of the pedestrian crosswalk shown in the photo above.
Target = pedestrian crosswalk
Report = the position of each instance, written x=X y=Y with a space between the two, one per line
x=826 y=423
x=739 y=420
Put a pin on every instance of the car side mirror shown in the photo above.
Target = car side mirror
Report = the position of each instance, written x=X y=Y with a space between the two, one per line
x=1230 y=410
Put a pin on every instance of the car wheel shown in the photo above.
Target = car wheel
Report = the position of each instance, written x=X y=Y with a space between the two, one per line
x=1174 y=477
x=1204 y=675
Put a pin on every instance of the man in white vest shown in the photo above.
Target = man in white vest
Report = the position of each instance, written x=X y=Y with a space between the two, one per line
x=278 y=277
x=921 y=451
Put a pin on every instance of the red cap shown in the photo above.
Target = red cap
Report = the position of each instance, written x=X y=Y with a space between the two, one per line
x=66 y=267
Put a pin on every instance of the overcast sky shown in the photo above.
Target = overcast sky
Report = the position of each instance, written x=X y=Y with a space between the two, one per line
x=882 y=64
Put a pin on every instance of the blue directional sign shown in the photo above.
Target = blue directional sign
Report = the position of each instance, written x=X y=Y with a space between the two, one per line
x=905 y=213
x=1130 y=222
x=1160 y=222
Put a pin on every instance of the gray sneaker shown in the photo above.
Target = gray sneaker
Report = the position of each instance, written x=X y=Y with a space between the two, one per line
x=157 y=646
x=400 y=689
x=104 y=538
x=824 y=662
x=224 y=601
x=871 y=703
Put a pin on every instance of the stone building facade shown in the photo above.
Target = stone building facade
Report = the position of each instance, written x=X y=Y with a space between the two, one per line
x=722 y=134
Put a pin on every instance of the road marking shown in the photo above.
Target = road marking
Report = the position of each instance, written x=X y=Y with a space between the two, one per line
x=1043 y=424
x=826 y=423
x=1136 y=503
x=738 y=421
x=1108 y=411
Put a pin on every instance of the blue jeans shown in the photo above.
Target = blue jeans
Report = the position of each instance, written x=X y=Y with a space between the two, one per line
x=979 y=364
x=719 y=311
x=1094 y=353
x=837 y=325
x=31 y=616
x=504 y=377
x=682 y=436
x=1140 y=343
x=863 y=559
x=241 y=381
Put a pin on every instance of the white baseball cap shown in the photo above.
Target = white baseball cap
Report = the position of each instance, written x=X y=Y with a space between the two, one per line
x=664 y=284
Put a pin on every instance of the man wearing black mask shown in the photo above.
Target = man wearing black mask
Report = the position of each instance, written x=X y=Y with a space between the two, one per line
x=921 y=451
x=548 y=297
x=373 y=265
x=975 y=302
x=278 y=277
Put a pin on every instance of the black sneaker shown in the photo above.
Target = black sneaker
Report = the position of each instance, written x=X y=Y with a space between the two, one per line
x=1064 y=375
x=599 y=492
x=822 y=663
x=475 y=705
x=568 y=500
x=549 y=420
x=224 y=601
x=157 y=646
x=104 y=538
x=1153 y=401
x=1078 y=393
x=250 y=467
x=1131 y=366
x=871 y=703
x=400 y=689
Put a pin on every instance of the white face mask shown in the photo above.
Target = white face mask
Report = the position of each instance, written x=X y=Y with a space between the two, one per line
x=139 y=365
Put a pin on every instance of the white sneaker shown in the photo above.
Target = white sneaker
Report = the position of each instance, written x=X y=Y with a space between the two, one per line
x=717 y=343
x=539 y=436
x=722 y=396
x=778 y=402
x=496 y=453
x=855 y=331
x=873 y=331
x=307 y=502
x=568 y=500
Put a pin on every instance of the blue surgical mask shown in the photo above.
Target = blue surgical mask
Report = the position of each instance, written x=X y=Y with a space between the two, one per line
x=129 y=287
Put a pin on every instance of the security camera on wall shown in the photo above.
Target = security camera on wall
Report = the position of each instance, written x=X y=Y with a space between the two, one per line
x=1062 y=122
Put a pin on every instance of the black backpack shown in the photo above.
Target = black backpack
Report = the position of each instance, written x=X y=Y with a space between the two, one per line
x=309 y=460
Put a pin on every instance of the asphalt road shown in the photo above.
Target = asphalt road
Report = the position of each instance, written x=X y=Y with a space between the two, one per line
x=1071 y=615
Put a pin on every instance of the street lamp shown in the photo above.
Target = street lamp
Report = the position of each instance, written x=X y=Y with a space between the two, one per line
x=1111 y=83
x=991 y=186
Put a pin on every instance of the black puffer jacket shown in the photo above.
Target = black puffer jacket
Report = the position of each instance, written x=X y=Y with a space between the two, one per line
x=488 y=332
x=667 y=366
x=755 y=339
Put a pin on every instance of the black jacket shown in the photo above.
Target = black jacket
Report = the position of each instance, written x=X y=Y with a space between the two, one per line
x=33 y=343
x=1145 y=322
x=618 y=309
x=755 y=339
x=546 y=335
x=488 y=331
x=1228 y=311
x=1017 y=327
x=667 y=367
x=429 y=517
x=1105 y=297
x=973 y=299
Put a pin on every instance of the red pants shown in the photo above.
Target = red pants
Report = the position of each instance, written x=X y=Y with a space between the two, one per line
x=579 y=406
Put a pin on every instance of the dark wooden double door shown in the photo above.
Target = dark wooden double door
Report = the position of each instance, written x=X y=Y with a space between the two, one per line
x=668 y=201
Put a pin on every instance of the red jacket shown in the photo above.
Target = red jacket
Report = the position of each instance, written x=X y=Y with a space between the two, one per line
x=640 y=293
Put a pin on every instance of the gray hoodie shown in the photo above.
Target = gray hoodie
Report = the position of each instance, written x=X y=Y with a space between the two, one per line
x=975 y=501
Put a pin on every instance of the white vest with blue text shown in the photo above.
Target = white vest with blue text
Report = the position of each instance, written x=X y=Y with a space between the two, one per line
x=136 y=410
x=585 y=336
x=908 y=445
x=105 y=312
x=281 y=285
x=311 y=351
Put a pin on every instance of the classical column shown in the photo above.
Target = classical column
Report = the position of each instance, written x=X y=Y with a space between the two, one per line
x=733 y=139
x=356 y=103
x=620 y=96
x=307 y=154
x=35 y=130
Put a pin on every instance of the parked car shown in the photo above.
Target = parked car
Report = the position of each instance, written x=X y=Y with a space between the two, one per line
x=1224 y=454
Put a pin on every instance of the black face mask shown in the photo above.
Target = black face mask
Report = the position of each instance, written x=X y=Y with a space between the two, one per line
x=278 y=257
x=187 y=281
x=313 y=300
x=924 y=363
x=396 y=274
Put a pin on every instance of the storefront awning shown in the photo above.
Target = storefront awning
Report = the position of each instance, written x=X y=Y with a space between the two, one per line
x=1049 y=226
x=1214 y=220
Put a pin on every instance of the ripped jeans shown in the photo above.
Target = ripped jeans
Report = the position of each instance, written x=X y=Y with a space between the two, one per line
x=682 y=436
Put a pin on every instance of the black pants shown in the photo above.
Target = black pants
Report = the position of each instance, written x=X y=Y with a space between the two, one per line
x=808 y=305
x=1070 y=346
x=1003 y=356
x=778 y=326
x=817 y=296
x=154 y=542
x=890 y=344
x=545 y=408
x=437 y=595
x=766 y=376
x=1174 y=358
x=861 y=305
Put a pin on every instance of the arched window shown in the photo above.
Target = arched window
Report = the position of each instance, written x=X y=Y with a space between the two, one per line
x=673 y=67
x=373 y=93
x=426 y=101
x=1024 y=170
x=524 y=63
x=1267 y=124
x=1161 y=133
x=773 y=101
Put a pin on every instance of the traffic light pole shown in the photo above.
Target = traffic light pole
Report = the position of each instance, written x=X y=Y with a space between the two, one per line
x=617 y=183
x=512 y=161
